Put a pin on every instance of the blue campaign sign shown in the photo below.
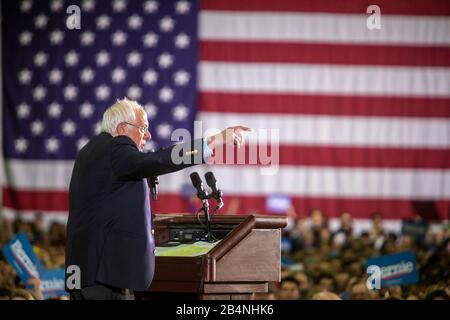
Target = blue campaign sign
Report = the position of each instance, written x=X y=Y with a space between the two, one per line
x=417 y=229
x=52 y=283
x=396 y=269
x=19 y=253
x=21 y=256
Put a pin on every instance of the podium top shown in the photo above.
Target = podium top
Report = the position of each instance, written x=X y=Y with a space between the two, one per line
x=258 y=221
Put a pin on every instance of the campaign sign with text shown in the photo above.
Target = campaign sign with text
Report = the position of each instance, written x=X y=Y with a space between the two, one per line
x=52 y=283
x=417 y=229
x=396 y=269
x=19 y=253
x=278 y=203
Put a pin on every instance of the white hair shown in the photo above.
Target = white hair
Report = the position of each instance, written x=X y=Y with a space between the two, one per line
x=122 y=111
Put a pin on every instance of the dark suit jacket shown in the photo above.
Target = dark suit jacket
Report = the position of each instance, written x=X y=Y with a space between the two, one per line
x=109 y=227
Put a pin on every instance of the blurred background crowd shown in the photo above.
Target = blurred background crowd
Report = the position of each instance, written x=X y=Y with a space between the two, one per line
x=324 y=263
x=318 y=261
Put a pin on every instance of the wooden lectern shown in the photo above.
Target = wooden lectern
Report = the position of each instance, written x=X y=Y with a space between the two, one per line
x=243 y=262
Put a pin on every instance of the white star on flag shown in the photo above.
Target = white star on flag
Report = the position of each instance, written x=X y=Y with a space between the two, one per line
x=180 y=112
x=40 y=59
x=39 y=93
x=21 y=145
x=71 y=58
x=37 y=126
x=165 y=94
x=97 y=127
x=54 y=110
x=134 y=22
x=118 y=75
x=23 y=110
x=134 y=92
x=52 y=145
x=134 y=58
x=119 y=5
x=86 y=110
x=87 y=38
x=55 y=76
x=182 y=41
x=87 y=75
x=103 y=22
x=70 y=92
x=56 y=37
x=88 y=5
x=68 y=128
x=151 y=110
x=102 y=92
x=26 y=5
x=182 y=7
x=25 y=38
x=150 y=40
x=82 y=142
x=166 y=24
x=150 y=146
x=150 y=77
x=165 y=60
x=181 y=77
x=150 y=6
x=41 y=21
x=164 y=130
x=119 y=38
x=56 y=5
x=25 y=76
x=102 y=58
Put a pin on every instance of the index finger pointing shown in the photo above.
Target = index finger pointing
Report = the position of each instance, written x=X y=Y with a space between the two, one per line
x=243 y=128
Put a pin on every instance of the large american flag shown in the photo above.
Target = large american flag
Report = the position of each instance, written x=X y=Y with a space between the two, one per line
x=363 y=115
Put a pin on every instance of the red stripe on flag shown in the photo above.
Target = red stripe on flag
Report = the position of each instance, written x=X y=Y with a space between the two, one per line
x=35 y=200
x=330 y=156
x=173 y=203
x=332 y=207
x=231 y=51
x=324 y=104
x=398 y=7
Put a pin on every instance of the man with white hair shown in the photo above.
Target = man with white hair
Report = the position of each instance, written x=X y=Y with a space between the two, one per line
x=109 y=230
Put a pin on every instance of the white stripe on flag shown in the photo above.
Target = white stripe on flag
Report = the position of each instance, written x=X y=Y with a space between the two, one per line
x=346 y=131
x=323 y=182
x=294 y=180
x=39 y=174
x=324 y=79
x=323 y=27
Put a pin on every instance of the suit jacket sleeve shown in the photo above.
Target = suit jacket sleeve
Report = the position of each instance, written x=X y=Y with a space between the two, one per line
x=129 y=163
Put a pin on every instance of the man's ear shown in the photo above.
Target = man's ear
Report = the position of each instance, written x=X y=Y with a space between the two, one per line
x=120 y=130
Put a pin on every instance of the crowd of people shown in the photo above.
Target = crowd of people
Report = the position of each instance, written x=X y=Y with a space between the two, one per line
x=318 y=262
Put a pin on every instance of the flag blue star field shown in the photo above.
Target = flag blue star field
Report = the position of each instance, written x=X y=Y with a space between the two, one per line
x=58 y=82
x=62 y=80
x=363 y=114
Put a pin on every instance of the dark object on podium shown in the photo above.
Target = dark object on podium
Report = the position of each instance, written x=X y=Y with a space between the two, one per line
x=244 y=261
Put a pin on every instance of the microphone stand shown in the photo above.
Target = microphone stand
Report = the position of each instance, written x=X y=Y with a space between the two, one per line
x=205 y=208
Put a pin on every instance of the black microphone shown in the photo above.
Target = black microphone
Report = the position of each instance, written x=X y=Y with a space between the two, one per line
x=198 y=184
x=212 y=183
x=154 y=181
